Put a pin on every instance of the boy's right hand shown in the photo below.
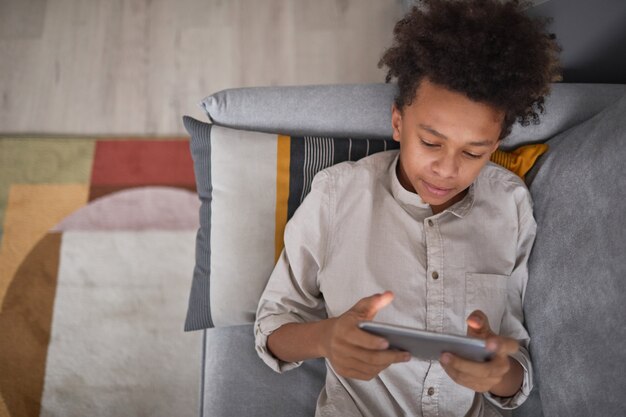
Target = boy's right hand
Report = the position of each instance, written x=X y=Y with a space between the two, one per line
x=355 y=353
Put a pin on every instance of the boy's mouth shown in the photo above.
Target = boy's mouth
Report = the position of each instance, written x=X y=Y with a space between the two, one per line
x=436 y=190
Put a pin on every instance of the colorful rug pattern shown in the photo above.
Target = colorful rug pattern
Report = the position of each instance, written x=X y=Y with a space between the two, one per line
x=96 y=258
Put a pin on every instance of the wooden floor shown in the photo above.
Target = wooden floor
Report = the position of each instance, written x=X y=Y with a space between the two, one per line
x=134 y=67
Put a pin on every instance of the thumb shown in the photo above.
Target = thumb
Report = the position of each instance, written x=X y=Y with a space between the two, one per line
x=367 y=307
x=478 y=325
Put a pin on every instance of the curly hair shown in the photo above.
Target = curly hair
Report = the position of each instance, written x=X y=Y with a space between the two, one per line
x=486 y=49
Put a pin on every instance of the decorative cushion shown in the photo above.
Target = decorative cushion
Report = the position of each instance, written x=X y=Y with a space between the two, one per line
x=574 y=303
x=519 y=160
x=250 y=184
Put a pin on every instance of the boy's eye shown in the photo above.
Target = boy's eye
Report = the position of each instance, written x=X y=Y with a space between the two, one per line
x=430 y=145
x=473 y=156
x=434 y=145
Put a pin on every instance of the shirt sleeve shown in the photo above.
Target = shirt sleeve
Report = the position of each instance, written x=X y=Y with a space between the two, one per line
x=513 y=320
x=292 y=293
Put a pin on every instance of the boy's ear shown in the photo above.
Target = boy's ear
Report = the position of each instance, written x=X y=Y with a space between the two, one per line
x=496 y=146
x=396 y=122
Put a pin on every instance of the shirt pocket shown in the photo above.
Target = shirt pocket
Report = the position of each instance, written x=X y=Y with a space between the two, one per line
x=488 y=293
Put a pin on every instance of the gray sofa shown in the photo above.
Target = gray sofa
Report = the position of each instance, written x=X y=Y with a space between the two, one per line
x=574 y=303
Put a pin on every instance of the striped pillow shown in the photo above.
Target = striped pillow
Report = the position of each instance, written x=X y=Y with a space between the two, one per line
x=250 y=184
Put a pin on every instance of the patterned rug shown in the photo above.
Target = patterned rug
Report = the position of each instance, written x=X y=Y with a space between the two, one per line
x=96 y=259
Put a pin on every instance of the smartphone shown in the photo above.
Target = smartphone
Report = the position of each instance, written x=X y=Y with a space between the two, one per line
x=427 y=345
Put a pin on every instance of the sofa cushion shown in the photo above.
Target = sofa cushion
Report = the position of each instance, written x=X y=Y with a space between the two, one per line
x=574 y=302
x=236 y=382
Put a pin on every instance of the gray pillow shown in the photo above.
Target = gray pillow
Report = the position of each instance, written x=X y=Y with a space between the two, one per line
x=364 y=110
x=574 y=303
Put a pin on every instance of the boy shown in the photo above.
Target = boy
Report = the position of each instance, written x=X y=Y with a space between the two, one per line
x=431 y=236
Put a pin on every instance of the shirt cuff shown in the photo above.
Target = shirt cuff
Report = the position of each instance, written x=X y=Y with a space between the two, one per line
x=262 y=330
x=509 y=403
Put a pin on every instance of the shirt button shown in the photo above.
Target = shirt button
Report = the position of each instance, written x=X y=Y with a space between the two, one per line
x=435 y=275
x=430 y=223
x=431 y=391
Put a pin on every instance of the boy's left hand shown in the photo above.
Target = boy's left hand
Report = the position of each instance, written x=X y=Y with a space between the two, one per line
x=482 y=376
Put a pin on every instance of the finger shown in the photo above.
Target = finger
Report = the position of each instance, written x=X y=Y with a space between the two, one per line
x=368 y=307
x=357 y=374
x=348 y=372
x=478 y=384
x=374 y=366
x=382 y=358
x=365 y=340
x=478 y=325
x=363 y=367
x=372 y=349
x=502 y=346
x=464 y=367
x=348 y=364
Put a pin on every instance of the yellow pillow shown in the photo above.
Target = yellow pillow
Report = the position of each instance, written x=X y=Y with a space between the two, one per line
x=519 y=160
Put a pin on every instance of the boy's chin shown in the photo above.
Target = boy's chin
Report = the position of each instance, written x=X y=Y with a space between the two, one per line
x=442 y=203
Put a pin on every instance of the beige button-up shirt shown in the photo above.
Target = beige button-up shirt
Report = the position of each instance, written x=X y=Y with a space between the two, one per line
x=359 y=232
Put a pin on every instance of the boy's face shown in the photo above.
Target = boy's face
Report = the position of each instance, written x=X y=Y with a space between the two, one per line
x=445 y=140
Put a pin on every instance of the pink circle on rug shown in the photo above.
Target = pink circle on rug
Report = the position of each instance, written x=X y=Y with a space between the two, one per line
x=145 y=208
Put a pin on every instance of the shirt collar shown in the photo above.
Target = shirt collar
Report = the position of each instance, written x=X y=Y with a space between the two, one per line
x=405 y=197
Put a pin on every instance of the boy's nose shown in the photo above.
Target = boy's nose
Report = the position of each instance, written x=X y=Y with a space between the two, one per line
x=446 y=167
